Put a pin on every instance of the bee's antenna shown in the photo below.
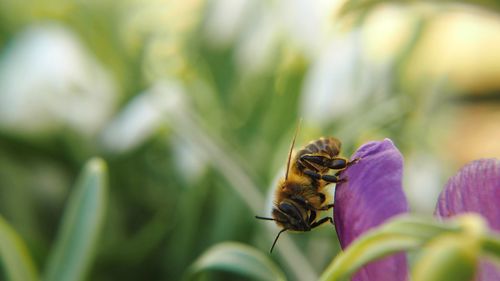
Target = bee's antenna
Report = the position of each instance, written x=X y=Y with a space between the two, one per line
x=269 y=219
x=276 y=239
x=291 y=149
x=264 y=218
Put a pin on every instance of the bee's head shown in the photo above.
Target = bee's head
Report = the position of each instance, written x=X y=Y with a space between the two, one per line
x=289 y=215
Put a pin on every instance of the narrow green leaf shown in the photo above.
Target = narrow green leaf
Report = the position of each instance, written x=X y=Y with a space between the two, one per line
x=14 y=255
x=400 y=234
x=423 y=228
x=367 y=249
x=237 y=258
x=74 y=247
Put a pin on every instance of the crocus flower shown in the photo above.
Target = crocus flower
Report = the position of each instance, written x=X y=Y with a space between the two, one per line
x=373 y=193
x=475 y=188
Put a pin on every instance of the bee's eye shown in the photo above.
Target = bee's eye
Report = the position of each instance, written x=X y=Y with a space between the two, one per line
x=290 y=210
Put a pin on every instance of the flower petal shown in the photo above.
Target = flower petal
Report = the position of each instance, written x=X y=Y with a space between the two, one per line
x=487 y=271
x=475 y=188
x=372 y=194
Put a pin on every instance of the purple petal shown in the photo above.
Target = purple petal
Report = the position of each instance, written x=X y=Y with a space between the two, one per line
x=487 y=271
x=475 y=188
x=372 y=194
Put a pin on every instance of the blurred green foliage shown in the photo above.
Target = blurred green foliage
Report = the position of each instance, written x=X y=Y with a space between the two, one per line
x=74 y=249
x=192 y=104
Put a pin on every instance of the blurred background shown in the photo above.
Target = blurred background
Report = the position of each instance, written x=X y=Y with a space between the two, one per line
x=193 y=105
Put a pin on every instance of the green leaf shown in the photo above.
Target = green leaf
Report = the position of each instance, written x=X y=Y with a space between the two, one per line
x=14 y=255
x=366 y=249
x=491 y=245
x=423 y=228
x=400 y=234
x=83 y=217
x=237 y=258
x=449 y=257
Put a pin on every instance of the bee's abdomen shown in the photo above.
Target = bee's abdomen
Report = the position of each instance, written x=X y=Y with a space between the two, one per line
x=329 y=146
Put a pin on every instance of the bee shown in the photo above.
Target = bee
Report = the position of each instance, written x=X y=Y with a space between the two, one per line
x=302 y=193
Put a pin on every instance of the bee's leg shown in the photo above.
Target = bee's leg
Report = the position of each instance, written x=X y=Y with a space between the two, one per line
x=312 y=217
x=356 y=160
x=326 y=208
x=302 y=201
x=307 y=165
x=344 y=179
x=322 y=221
x=336 y=163
x=309 y=160
x=327 y=178
x=341 y=163
x=312 y=174
x=332 y=178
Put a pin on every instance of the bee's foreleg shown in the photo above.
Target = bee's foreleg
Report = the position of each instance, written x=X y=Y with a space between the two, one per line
x=354 y=161
x=322 y=221
x=332 y=178
x=337 y=174
x=326 y=208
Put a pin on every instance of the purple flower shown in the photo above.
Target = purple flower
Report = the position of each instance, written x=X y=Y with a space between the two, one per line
x=475 y=188
x=372 y=194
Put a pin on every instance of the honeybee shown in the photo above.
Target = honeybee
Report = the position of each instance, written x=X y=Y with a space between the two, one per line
x=302 y=193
